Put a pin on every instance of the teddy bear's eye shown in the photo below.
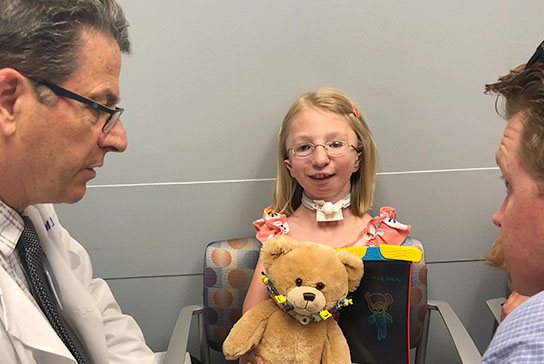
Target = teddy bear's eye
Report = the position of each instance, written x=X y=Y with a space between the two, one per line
x=298 y=282
x=320 y=286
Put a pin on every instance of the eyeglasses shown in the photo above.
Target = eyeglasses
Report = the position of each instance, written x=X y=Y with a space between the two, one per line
x=333 y=148
x=61 y=91
x=537 y=57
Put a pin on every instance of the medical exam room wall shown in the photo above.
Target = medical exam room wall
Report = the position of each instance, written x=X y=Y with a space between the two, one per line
x=205 y=91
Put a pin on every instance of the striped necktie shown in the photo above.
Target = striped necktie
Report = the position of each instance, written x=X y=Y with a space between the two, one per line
x=32 y=257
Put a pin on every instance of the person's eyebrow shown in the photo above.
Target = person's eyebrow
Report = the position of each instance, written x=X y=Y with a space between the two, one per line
x=302 y=138
x=111 y=98
x=336 y=135
x=329 y=136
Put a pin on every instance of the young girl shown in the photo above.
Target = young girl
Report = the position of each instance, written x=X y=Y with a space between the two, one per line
x=325 y=184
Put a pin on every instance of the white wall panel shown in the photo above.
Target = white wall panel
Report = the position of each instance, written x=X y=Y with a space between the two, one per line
x=143 y=231
x=209 y=81
x=450 y=212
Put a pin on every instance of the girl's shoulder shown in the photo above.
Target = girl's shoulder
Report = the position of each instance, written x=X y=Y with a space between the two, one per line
x=383 y=229
x=271 y=224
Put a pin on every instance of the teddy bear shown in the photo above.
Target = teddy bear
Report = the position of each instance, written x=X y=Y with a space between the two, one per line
x=307 y=282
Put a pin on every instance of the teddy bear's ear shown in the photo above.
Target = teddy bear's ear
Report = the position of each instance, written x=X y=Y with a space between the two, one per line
x=275 y=248
x=354 y=267
x=388 y=298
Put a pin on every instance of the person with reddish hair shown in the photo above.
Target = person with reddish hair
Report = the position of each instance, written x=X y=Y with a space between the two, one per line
x=520 y=157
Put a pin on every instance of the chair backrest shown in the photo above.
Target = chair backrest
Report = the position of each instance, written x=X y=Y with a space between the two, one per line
x=228 y=268
x=418 y=293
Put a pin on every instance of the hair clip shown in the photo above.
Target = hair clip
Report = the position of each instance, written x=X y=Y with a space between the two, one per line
x=356 y=111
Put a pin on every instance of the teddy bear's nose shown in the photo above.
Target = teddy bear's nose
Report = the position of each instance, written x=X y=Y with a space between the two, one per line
x=309 y=296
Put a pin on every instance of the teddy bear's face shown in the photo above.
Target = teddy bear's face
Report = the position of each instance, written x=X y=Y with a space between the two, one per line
x=306 y=300
x=312 y=277
x=378 y=302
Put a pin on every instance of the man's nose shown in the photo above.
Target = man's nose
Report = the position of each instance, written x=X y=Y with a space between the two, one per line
x=497 y=217
x=115 y=140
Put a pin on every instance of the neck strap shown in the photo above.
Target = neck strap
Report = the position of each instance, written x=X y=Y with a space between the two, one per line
x=326 y=211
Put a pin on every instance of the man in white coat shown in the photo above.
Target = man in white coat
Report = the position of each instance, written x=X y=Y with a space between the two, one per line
x=59 y=85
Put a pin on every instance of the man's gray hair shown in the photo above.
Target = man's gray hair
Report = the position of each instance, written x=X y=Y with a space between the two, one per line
x=41 y=38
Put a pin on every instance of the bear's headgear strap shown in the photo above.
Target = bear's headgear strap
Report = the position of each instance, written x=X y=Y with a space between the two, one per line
x=281 y=300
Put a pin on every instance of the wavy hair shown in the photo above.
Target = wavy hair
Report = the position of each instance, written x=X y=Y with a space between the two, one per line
x=523 y=91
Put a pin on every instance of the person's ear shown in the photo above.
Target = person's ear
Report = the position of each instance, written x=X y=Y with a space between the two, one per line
x=289 y=166
x=357 y=163
x=11 y=89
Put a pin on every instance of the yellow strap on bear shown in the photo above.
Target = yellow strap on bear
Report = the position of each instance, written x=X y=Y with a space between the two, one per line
x=325 y=314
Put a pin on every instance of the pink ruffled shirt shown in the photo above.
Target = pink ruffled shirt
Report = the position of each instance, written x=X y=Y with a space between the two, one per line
x=383 y=229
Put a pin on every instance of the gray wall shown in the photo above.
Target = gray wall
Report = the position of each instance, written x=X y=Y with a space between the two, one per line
x=206 y=90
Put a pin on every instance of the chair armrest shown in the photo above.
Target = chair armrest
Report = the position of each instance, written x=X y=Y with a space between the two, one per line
x=467 y=350
x=495 y=306
x=177 y=347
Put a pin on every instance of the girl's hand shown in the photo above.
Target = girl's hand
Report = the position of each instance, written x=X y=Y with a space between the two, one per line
x=250 y=357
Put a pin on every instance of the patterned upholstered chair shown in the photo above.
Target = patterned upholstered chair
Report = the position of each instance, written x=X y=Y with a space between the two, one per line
x=228 y=268
x=418 y=294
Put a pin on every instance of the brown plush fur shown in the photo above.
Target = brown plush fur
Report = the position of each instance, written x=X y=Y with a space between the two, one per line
x=277 y=336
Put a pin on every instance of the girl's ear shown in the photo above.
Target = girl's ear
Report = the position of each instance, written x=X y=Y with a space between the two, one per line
x=289 y=166
x=357 y=163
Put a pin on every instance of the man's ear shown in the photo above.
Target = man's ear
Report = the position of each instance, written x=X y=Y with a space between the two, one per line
x=12 y=87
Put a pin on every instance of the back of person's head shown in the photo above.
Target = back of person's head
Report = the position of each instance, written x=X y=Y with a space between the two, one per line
x=523 y=91
x=288 y=193
x=41 y=38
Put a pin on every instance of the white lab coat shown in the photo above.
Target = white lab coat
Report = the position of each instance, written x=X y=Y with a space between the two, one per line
x=26 y=337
